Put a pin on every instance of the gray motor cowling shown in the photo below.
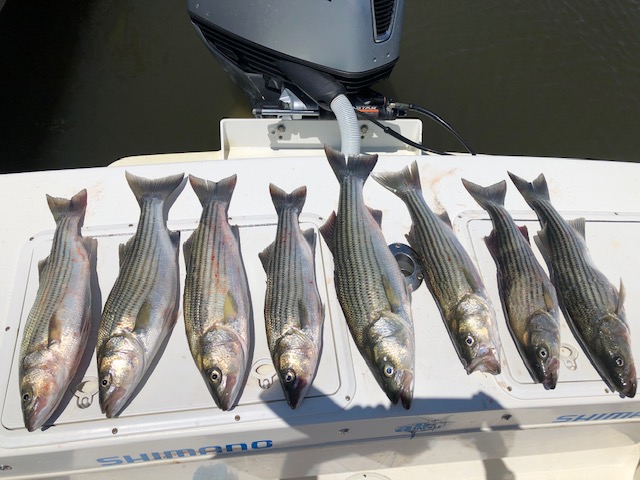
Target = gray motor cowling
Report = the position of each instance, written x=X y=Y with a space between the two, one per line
x=356 y=42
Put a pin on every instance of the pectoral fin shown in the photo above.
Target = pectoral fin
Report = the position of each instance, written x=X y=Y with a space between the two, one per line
x=392 y=297
x=55 y=329
x=230 y=310
x=550 y=299
x=143 y=319
x=472 y=279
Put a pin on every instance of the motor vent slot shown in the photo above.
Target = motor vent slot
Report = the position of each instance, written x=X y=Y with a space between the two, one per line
x=383 y=13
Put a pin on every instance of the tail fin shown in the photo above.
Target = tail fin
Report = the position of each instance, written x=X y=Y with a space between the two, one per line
x=359 y=166
x=282 y=200
x=407 y=179
x=536 y=190
x=485 y=196
x=208 y=191
x=159 y=188
x=62 y=207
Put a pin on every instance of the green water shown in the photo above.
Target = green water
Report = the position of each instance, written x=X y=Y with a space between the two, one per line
x=85 y=83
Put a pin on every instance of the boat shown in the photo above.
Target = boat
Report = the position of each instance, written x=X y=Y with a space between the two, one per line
x=459 y=425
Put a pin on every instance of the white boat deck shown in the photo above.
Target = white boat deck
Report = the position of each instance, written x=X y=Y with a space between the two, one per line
x=459 y=426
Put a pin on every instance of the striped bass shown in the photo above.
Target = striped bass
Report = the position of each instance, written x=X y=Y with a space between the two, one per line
x=217 y=305
x=371 y=289
x=450 y=275
x=592 y=306
x=293 y=310
x=59 y=322
x=142 y=307
x=528 y=297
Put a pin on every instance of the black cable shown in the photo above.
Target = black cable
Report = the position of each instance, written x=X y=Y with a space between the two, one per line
x=396 y=135
x=436 y=118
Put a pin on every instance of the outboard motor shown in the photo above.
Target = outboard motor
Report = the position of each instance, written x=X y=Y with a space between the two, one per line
x=292 y=57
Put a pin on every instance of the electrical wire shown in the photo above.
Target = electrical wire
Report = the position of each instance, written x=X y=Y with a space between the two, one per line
x=403 y=107
x=437 y=119
x=396 y=135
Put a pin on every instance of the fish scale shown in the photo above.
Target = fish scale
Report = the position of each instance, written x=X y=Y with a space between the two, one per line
x=217 y=303
x=450 y=275
x=592 y=306
x=528 y=297
x=293 y=310
x=286 y=263
x=135 y=281
x=372 y=291
x=57 y=327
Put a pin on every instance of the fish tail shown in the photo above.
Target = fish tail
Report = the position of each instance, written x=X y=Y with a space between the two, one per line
x=208 y=191
x=485 y=196
x=283 y=200
x=359 y=166
x=159 y=188
x=403 y=181
x=531 y=191
x=61 y=207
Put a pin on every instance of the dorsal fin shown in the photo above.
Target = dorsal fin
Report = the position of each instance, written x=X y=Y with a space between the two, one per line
x=622 y=295
x=490 y=242
x=578 y=224
x=310 y=236
x=327 y=230
x=187 y=247
x=377 y=215
x=265 y=256
x=525 y=232
x=444 y=216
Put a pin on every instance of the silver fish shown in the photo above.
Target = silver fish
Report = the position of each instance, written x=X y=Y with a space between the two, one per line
x=293 y=310
x=450 y=275
x=592 y=306
x=142 y=307
x=371 y=289
x=59 y=322
x=217 y=304
x=528 y=297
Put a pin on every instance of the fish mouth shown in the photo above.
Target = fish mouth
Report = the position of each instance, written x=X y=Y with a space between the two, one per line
x=629 y=388
x=112 y=404
x=487 y=363
x=225 y=397
x=551 y=378
x=37 y=417
x=295 y=394
x=406 y=394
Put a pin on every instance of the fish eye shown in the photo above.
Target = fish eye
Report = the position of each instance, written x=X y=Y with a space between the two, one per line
x=388 y=370
x=619 y=361
x=469 y=340
x=106 y=381
x=542 y=353
x=26 y=398
x=215 y=376
x=289 y=376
